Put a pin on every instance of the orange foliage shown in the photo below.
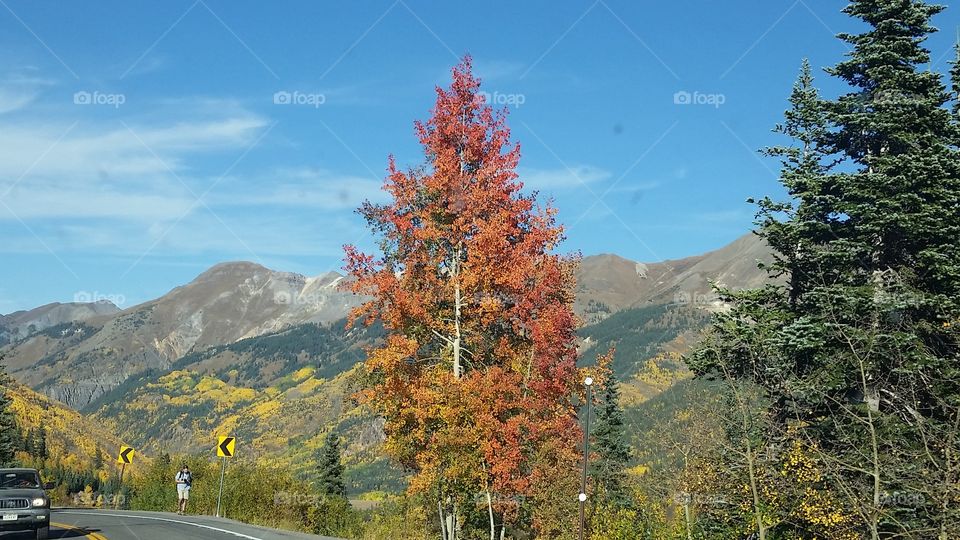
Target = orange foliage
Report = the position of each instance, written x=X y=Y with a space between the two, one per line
x=479 y=369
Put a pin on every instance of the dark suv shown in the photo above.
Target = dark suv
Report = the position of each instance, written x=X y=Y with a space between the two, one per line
x=24 y=506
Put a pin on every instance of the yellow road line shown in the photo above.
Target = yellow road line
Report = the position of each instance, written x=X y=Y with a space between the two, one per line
x=86 y=533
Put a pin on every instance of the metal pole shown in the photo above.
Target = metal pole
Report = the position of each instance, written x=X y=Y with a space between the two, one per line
x=116 y=497
x=223 y=467
x=586 y=455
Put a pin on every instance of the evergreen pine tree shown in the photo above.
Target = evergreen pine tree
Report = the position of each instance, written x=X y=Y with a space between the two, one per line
x=38 y=442
x=899 y=296
x=19 y=440
x=798 y=240
x=8 y=425
x=330 y=468
x=955 y=90
x=859 y=347
x=29 y=441
x=610 y=445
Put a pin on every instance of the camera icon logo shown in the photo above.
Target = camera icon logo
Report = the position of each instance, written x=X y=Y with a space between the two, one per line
x=682 y=98
x=82 y=98
x=282 y=98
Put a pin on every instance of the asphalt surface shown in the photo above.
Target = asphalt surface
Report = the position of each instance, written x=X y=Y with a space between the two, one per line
x=128 y=525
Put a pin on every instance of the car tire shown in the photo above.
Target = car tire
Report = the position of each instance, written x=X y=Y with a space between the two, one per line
x=43 y=533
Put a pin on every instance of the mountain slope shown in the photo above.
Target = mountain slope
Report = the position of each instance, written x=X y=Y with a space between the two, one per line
x=265 y=356
x=78 y=360
x=279 y=394
x=639 y=334
x=607 y=284
x=73 y=440
x=82 y=360
x=23 y=323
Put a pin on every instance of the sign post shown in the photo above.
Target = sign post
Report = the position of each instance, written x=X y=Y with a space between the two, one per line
x=226 y=447
x=124 y=458
x=582 y=497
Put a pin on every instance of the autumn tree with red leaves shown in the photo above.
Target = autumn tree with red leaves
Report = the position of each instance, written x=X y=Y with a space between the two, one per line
x=477 y=376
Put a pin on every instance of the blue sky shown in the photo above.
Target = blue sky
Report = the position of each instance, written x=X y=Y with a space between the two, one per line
x=141 y=143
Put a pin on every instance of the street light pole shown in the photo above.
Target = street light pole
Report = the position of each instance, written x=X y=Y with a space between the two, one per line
x=586 y=453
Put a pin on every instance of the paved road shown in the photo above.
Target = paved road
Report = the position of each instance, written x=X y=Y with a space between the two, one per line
x=124 y=525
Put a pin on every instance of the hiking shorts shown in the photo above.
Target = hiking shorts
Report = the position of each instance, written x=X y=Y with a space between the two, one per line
x=183 y=491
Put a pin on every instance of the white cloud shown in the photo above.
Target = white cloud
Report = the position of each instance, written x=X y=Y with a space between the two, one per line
x=120 y=191
x=575 y=177
x=95 y=168
x=150 y=64
x=256 y=236
x=17 y=90
x=494 y=70
x=253 y=236
x=48 y=202
x=78 y=151
x=304 y=187
x=12 y=99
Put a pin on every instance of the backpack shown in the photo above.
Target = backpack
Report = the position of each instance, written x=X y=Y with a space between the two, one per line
x=185 y=477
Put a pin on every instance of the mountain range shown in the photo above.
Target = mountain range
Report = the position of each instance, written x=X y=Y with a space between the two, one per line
x=76 y=360
x=266 y=356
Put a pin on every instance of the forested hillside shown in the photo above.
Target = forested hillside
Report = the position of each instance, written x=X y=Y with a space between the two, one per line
x=280 y=393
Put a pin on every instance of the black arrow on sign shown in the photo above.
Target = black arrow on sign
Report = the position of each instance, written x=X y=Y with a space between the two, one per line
x=125 y=455
x=225 y=446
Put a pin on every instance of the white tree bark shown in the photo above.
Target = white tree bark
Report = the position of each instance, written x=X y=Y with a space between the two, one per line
x=457 y=308
x=443 y=521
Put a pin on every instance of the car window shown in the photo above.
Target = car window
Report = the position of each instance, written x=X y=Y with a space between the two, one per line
x=14 y=480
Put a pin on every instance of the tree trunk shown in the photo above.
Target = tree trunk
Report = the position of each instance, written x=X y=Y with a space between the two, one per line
x=454 y=522
x=751 y=465
x=443 y=521
x=449 y=528
x=750 y=456
x=458 y=303
x=687 y=496
x=950 y=478
x=871 y=397
x=493 y=525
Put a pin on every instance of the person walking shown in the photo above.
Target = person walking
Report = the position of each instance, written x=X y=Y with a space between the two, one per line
x=184 y=479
